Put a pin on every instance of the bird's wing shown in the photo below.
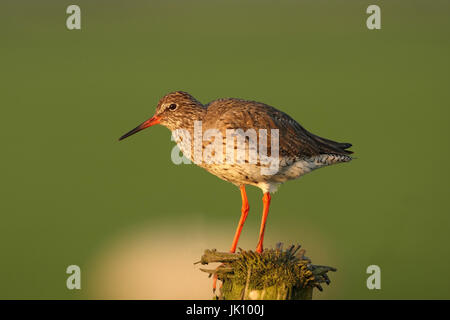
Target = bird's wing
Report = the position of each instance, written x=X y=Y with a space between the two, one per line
x=294 y=140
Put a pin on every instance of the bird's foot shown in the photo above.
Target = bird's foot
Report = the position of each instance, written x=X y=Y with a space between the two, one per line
x=215 y=276
x=259 y=248
x=214 y=286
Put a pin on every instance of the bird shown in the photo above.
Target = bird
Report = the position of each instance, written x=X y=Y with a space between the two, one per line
x=298 y=151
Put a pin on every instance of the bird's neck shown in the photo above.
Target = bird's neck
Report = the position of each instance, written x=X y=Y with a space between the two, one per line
x=191 y=116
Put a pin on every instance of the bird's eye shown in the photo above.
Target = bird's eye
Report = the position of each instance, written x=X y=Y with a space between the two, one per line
x=172 y=107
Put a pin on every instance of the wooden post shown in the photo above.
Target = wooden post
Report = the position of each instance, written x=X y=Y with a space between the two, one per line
x=276 y=274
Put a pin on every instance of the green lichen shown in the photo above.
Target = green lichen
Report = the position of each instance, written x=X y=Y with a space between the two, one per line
x=273 y=274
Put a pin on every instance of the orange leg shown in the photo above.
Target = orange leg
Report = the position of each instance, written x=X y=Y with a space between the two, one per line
x=266 y=203
x=244 y=213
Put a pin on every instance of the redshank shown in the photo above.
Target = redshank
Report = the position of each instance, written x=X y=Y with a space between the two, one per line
x=298 y=151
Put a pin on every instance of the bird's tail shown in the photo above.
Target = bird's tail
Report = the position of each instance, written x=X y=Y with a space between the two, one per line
x=330 y=145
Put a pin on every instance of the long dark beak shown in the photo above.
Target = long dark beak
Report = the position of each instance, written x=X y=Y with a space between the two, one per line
x=150 y=122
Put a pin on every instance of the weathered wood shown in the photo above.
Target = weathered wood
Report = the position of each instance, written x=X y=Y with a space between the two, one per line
x=275 y=274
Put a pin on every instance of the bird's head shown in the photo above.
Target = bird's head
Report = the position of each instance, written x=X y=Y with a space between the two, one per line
x=176 y=110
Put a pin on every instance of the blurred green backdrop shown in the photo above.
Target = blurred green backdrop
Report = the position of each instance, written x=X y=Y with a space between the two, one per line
x=68 y=186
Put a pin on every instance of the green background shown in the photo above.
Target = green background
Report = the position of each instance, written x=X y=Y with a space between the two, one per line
x=68 y=186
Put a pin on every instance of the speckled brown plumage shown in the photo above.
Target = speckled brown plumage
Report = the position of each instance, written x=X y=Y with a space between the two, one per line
x=296 y=143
